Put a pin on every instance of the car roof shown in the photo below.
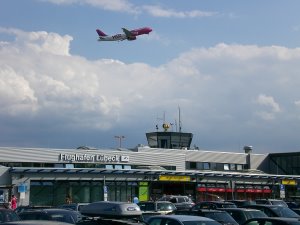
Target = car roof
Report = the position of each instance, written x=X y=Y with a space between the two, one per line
x=184 y=217
x=218 y=202
x=240 y=209
x=276 y=218
x=265 y=206
x=239 y=200
x=109 y=209
x=50 y=210
x=205 y=210
x=160 y=201
x=56 y=209
x=35 y=222
x=78 y=203
x=149 y=201
x=175 y=196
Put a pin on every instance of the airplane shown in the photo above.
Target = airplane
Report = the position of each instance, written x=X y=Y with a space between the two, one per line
x=130 y=35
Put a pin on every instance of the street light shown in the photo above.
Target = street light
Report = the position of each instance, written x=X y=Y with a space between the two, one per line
x=120 y=140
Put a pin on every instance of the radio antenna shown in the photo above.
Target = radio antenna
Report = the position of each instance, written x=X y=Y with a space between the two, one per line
x=179 y=119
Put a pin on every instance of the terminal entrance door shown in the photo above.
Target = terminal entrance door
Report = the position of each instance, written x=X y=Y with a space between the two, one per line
x=174 y=188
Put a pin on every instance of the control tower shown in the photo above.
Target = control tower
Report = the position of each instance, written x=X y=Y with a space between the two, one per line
x=169 y=139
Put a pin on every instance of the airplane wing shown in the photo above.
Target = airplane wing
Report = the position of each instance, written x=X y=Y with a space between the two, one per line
x=127 y=33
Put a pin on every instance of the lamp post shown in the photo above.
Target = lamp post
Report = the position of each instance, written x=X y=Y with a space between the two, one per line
x=120 y=140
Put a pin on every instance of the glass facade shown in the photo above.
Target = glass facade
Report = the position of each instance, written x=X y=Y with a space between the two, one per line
x=54 y=192
x=170 y=140
x=213 y=166
x=285 y=163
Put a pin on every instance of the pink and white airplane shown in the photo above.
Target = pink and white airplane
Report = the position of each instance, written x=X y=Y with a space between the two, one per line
x=130 y=35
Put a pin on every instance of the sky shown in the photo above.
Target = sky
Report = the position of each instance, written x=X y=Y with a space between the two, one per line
x=232 y=69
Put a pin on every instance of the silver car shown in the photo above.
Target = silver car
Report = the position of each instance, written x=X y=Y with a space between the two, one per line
x=163 y=207
x=180 y=201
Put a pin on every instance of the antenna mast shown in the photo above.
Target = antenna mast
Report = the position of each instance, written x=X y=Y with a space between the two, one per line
x=179 y=120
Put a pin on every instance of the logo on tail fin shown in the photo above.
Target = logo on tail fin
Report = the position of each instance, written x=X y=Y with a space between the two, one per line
x=100 y=33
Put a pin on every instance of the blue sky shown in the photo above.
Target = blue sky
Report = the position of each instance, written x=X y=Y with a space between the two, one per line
x=232 y=67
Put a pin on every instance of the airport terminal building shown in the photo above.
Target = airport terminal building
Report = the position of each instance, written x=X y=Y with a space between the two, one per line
x=44 y=176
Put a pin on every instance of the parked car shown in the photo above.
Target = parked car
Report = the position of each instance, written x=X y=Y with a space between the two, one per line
x=180 y=220
x=4 y=205
x=163 y=207
x=147 y=214
x=181 y=202
x=275 y=210
x=35 y=222
x=73 y=206
x=293 y=205
x=110 y=209
x=241 y=215
x=112 y=213
x=221 y=216
x=213 y=205
x=28 y=207
x=110 y=221
x=271 y=202
x=62 y=215
x=272 y=221
x=7 y=215
x=242 y=203
x=296 y=211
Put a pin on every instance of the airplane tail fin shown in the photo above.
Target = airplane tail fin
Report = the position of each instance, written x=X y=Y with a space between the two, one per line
x=101 y=33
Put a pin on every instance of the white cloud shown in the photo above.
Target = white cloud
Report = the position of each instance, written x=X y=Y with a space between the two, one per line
x=270 y=104
x=115 y=5
x=297 y=103
x=126 y=6
x=268 y=101
x=158 y=11
x=41 y=41
x=214 y=87
x=16 y=96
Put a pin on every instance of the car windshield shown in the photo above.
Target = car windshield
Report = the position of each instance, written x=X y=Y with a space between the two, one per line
x=80 y=207
x=73 y=207
x=256 y=214
x=63 y=218
x=220 y=216
x=294 y=223
x=184 y=199
x=165 y=206
x=147 y=206
x=285 y=212
x=200 y=223
x=229 y=206
x=279 y=203
x=33 y=216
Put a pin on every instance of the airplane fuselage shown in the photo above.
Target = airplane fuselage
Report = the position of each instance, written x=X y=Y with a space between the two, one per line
x=129 y=35
x=140 y=31
x=116 y=37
